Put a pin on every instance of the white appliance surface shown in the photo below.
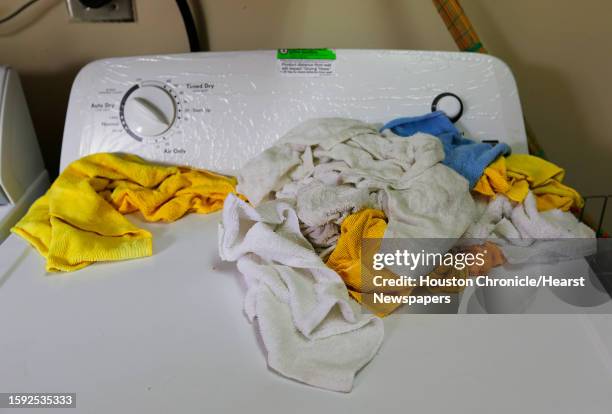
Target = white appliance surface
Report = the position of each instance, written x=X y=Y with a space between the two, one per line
x=3 y=79
x=23 y=177
x=225 y=108
x=167 y=333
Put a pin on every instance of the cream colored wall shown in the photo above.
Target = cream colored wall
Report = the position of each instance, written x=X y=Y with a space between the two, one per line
x=558 y=49
x=560 y=52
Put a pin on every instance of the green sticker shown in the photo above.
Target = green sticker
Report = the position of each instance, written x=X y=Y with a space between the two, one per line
x=314 y=54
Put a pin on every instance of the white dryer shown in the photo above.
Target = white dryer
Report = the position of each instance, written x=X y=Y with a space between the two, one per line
x=167 y=333
x=23 y=177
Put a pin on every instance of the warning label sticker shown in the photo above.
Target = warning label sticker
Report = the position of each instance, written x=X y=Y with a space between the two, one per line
x=306 y=67
x=306 y=62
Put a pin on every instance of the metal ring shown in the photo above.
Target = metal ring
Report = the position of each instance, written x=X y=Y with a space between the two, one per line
x=434 y=105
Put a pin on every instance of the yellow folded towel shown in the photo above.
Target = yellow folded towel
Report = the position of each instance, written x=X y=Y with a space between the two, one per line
x=79 y=220
x=515 y=175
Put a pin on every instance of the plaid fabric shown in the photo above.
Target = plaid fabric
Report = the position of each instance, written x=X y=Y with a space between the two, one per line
x=459 y=26
x=467 y=40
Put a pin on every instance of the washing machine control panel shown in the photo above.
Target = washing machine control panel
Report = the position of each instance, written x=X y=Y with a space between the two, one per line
x=163 y=119
x=149 y=109
x=218 y=110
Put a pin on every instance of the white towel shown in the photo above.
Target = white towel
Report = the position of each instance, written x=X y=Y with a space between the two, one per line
x=322 y=207
x=327 y=169
x=313 y=332
x=404 y=177
x=527 y=235
x=352 y=149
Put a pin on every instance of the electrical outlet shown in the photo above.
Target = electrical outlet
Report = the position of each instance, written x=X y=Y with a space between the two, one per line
x=101 y=10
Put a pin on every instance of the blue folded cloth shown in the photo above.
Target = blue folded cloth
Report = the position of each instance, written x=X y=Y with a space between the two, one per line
x=469 y=158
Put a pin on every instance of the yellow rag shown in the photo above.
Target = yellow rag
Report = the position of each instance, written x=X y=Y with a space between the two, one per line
x=515 y=175
x=79 y=220
x=358 y=277
x=346 y=258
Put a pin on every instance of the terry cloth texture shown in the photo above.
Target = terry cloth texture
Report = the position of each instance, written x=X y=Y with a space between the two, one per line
x=402 y=177
x=528 y=235
x=322 y=208
x=312 y=331
x=80 y=219
x=515 y=175
x=467 y=157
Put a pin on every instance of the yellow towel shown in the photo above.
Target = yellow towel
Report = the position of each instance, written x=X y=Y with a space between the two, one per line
x=358 y=276
x=346 y=258
x=515 y=175
x=79 y=220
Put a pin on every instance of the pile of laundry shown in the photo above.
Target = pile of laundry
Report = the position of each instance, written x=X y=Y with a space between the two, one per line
x=295 y=218
x=330 y=183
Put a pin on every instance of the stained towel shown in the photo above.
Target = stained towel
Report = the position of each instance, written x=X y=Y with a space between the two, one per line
x=404 y=178
x=467 y=157
x=312 y=331
x=322 y=208
x=79 y=220
x=336 y=151
x=515 y=175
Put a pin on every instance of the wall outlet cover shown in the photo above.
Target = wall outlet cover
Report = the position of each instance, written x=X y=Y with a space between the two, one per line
x=113 y=11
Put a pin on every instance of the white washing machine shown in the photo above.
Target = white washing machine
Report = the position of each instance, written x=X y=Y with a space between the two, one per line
x=23 y=177
x=167 y=333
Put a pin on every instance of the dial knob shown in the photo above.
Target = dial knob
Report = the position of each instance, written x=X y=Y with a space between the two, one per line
x=450 y=104
x=148 y=111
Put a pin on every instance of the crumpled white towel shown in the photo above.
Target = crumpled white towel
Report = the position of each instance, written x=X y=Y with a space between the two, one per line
x=404 y=177
x=528 y=235
x=352 y=148
x=322 y=208
x=311 y=329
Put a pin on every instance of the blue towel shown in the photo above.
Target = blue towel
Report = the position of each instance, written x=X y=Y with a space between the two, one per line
x=469 y=158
